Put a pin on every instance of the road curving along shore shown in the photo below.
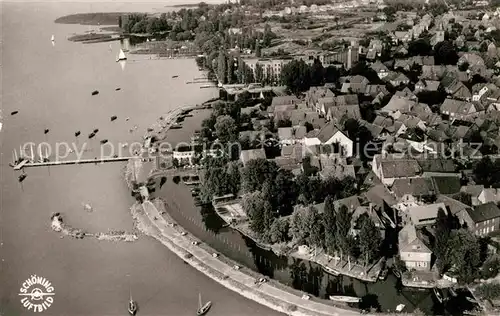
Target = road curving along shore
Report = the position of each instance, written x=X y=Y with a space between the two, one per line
x=151 y=223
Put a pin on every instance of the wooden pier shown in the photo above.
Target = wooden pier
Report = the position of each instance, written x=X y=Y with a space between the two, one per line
x=28 y=164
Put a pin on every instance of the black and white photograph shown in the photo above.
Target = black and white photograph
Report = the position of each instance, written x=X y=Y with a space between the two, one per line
x=249 y=157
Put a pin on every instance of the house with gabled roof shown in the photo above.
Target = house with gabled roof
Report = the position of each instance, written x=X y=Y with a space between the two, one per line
x=413 y=251
x=481 y=220
x=458 y=109
x=388 y=168
x=406 y=93
x=354 y=84
x=328 y=135
x=398 y=104
x=397 y=78
x=380 y=69
x=374 y=89
x=427 y=85
x=423 y=215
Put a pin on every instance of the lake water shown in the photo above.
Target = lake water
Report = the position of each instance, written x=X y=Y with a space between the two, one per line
x=51 y=88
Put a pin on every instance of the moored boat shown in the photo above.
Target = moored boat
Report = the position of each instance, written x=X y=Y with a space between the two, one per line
x=175 y=76
x=77 y=133
x=396 y=272
x=438 y=294
x=330 y=270
x=95 y=130
x=104 y=141
x=22 y=177
x=400 y=307
x=383 y=274
x=121 y=56
x=91 y=135
x=203 y=309
x=14 y=112
x=46 y=131
x=345 y=299
x=452 y=292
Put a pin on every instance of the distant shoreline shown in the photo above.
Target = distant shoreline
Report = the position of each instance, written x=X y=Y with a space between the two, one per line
x=98 y=18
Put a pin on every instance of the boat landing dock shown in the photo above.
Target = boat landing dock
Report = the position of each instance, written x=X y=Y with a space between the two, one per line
x=27 y=164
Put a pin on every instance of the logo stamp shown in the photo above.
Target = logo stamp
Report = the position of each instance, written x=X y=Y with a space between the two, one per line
x=38 y=294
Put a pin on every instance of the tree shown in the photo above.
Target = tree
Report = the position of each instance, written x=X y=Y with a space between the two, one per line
x=464 y=254
x=259 y=212
x=257 y=49
x=296 y=76
x=419 y=47
x=259 y=73
x=343 y=227
x=445 y=53
x=285 y=192
x=317 y=73
x=278 y=232
x=329 y=219
x=443 y=230
x=221 y=67
x=369 y=239
x=298 y=227
x=226 y=129
x=483 y=171
x=256 y=172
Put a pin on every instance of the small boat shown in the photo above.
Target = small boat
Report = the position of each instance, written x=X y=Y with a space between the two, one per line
x=53 y=38
x=114 y=117
x=150 y=130
x=14 y=112
x=96 y=130
x=452 y=292
x=438 y=294
x=91 y=135
x=470 y=299
x=383 y=274
x=132 y=305
x=22 y=177
x=176 y=76
x=396 y=272
x=46 y=131
x=330 y=271
x=203 y=309
x=95 y=92
x=77 y=133
x=118 y=89
x=400 y=307
x=345 y=299
x=127 y=119
x=121 y=56
x=104 y=141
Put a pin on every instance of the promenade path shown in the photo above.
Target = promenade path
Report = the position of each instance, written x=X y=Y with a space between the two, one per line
x=266 y=293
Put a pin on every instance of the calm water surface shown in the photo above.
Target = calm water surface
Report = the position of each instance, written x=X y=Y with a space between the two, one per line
x=51 y=88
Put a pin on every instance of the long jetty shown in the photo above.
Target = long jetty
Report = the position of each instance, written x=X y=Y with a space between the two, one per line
x=72 y=162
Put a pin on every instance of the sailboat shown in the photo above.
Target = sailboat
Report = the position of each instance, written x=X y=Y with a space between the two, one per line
x=203 y=309
x=121 y=56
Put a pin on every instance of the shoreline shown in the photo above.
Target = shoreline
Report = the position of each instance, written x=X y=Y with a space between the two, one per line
x=151 y=223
